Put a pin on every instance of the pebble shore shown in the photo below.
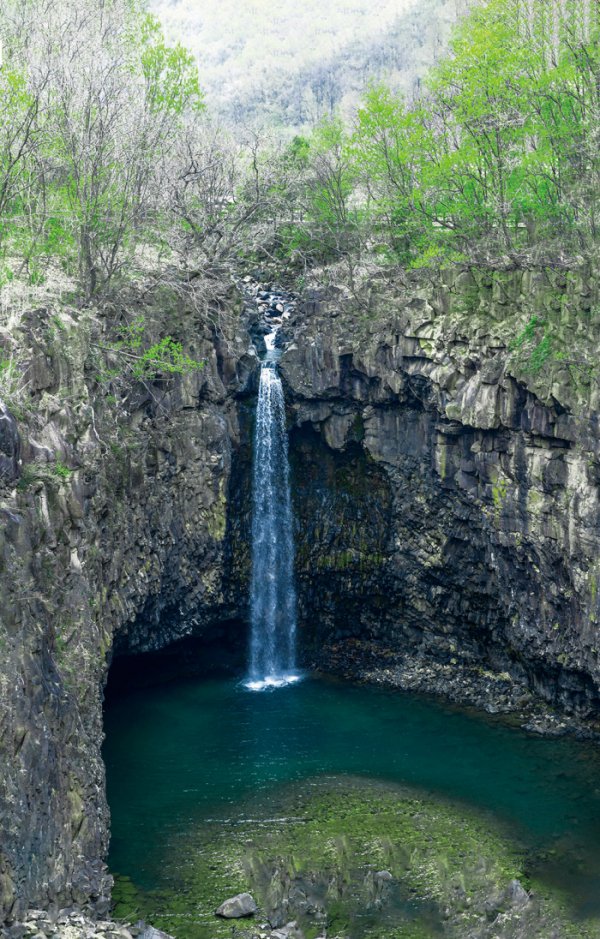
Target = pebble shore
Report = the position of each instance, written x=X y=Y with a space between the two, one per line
x=457 y=681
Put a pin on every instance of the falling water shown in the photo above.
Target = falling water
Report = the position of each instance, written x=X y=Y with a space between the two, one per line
x=272 y=593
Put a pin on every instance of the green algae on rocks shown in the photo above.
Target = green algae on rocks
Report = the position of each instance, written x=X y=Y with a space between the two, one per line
x=351 y=857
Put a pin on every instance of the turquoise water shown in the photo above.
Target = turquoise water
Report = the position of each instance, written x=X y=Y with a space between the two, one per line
x=188 y=753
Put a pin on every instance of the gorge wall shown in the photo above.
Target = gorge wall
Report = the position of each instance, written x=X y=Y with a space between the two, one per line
x=112 y=535
x=446 y=502
x=461 y=515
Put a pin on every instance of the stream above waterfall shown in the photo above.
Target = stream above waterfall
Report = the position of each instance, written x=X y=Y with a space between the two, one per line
x=199 y=770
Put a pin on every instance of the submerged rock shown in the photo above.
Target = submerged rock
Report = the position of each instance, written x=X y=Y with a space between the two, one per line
x=151 y=933
x=516 y=893
x=241 y=905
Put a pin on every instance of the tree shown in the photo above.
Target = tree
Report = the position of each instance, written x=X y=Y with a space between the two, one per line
x=498 y=163
x=118 y=100
x=225 y=198
x=23 y=84
x=114 y=98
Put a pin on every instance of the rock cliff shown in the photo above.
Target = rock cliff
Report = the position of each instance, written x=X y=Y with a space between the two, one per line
x=446 y=502
x=447 y=497
x=112 y=535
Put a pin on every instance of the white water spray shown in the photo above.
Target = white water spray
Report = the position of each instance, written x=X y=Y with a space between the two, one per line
x=272 y=592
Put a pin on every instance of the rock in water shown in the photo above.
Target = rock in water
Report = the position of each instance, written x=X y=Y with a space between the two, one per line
x=151 y=933
x=516 y=893
x=241 y=905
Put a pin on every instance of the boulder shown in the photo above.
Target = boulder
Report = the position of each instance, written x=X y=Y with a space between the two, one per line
x=516 y=893
x=241 y=905
x=151 y=933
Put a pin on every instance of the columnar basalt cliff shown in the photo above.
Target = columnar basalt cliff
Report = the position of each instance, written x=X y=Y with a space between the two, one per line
x=112 y=535
x=460 y=516
x=446 y=503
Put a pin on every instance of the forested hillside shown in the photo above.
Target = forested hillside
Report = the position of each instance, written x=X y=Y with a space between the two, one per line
x=287 y=65
x=111 y=163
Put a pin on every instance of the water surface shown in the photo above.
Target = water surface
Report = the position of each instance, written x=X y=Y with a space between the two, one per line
x=188 y=754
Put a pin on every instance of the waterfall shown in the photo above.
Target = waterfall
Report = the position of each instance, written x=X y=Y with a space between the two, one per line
x=272 y=592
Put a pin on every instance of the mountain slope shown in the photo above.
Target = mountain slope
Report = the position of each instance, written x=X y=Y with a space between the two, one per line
x=289 y=64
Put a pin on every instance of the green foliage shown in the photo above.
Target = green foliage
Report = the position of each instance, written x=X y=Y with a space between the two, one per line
x=495 y=165
x=538 y=345
x=61 y=469
x=91 y=106
x=107 y=161
x=498 y=162
x=170 y=73
x=297 y=152
x=17 y=136
x=528 y=333
x=326 y=224
x=32 y=473
x=530 y=352
x=136 y=363
x=166 y=355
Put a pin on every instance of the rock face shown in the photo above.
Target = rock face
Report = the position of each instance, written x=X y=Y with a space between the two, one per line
x=446 y=503
x=10 y=446
x=112 y=540
x=447 y=500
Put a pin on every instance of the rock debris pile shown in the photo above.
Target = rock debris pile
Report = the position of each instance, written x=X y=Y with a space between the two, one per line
x=70 y=924
x=268 y=307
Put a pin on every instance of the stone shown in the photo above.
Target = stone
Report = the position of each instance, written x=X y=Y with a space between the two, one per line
x=151 y=933
x=289 y=931
x=516 y=893
x=242 y=904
